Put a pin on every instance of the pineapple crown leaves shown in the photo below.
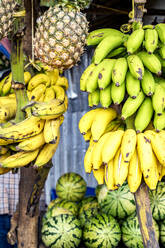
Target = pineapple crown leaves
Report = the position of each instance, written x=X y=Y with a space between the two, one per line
x=78 y=4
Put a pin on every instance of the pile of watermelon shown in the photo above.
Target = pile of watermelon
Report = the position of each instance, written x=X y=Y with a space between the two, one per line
x=107 y=220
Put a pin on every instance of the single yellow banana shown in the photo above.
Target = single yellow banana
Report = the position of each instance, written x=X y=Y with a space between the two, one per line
x=99 y=175
x=48 y=110
x=59 y=92
x=128 y=144
x=49 y=94
x=40 y=78
x=19 y=159
x=109 y=175
x=3 y=157
x=51 y=130
x=134 y=173
x=27 y=77
x=37 y=92
x=3 y=150
x=158 y=145
x=148 y=160
x=120 y=169
x=87 y=136
x=22 y=130
x=53 y=75
x=7 y=85
x=7 y=111
x=111 y=146
x=160 y=167
x=63 y=82
x=87 y=158
x=66 y=102
x=86 y=120
x=31 y=143
x=100 y=122
x=97 y=151
x=46 y=153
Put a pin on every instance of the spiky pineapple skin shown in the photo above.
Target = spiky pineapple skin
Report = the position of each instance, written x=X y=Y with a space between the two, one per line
x=6 y=16
x=60 y=37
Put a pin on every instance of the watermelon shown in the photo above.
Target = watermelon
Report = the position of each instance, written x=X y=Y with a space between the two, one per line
x=162 y=233
x=101 y=231
x=55 y=212
x=70 y=205
x=157 y=201
x=62 y=231
x=71 y=186
x=119 y=203
x=131 y=235
x=88 y=210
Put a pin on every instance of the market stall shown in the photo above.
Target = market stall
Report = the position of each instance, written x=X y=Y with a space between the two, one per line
x=117 y=108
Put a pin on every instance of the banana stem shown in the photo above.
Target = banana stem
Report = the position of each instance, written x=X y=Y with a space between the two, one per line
x=17 y=63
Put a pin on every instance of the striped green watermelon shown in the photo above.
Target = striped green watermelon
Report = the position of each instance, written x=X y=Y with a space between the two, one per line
x=101 y=231
x=157 y=201
x=162 y=233
x=119 y=203
x=53 y=202
x=131 y=235
x=70 y=205
x=71 y=186
x=62 y=231
x=55 y=212
x=88 y=210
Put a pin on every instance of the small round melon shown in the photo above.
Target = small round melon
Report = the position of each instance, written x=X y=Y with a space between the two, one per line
x=62 y=231
x=101 y=230
x=71 y=186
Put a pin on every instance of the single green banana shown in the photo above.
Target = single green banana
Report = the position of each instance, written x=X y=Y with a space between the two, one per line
x=92 y=79
x=135 y=66
x=151 y=40
x=151 y=62
x=105 y=75
x=96 y=36
x=105 y=97
x=131 y=105
x=162 y=51
x=132 y=85
x=117 y=93
x=149 y=26
x=159 y=122
x=95 y=95
x=119 y=71
x=90 y=104
x=135 y=41
x=145 y=110
x=158 y=99
x=106 y=46
x=116 y=52
x=85 y=75
x=160 y=28
x=148 y=83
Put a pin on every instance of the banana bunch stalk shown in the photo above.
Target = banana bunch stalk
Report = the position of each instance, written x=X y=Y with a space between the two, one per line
x=128 y=70
x=34 y=140
x=117 y=153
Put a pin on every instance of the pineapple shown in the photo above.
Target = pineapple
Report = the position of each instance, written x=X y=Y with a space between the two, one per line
x=60 y=36
x=6 y=16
